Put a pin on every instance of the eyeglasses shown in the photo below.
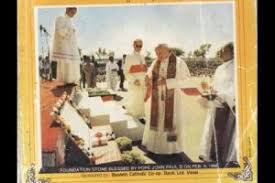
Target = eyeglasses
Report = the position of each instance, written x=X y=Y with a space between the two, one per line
x=138 y=46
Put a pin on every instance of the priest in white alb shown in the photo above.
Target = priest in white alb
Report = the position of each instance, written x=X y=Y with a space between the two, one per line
x=219 y=138
x=164 y=81
x=135 y=69
x=65 y=50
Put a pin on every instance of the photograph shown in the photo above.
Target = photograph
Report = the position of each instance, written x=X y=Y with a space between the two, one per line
x=145 y=85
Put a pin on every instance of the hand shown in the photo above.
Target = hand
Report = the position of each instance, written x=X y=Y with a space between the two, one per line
x=148 y=94
x=148 y=81
x=137 y=82
x=204 y=86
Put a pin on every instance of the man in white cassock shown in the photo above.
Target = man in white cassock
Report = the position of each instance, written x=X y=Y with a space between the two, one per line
x=111 y=69
x=219 y=142
x=164 y=80
x=135 y=69
x=65 y=50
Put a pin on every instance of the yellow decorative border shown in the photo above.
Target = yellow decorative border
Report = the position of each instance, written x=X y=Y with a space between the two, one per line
x=245 y=11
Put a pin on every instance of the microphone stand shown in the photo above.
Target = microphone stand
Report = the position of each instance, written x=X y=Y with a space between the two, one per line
x=47 y=35
x=41 y=36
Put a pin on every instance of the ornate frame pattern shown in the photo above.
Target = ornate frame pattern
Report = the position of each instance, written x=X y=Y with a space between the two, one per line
x=246 y=174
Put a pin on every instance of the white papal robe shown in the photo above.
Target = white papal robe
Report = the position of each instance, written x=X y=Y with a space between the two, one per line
x=156 y=140
x=224 y=84
x=135 y=96
x=65 y=50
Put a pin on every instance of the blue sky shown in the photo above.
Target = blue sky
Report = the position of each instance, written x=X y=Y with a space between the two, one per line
x=186 y=26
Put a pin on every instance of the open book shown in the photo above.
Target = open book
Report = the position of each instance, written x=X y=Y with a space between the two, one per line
x=191 y=91
x=187 y=87
x=138 y=68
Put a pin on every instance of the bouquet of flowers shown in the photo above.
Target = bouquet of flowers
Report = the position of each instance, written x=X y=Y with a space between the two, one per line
x=132 y=157
x=124 y=143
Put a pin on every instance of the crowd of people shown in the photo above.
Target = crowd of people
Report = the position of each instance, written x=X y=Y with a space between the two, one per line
x=197 y=69
x=202 y=68
x=98 y=71
x=45 y=68
x=90 y=71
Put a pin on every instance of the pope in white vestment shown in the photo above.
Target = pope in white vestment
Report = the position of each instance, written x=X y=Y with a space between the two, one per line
x=65 y=50
x=135 y=69
x=224 y=87
x=164 y=112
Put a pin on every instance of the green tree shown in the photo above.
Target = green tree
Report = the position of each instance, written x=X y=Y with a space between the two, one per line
x=202 y=50
x=190 y=54
x=104 y=53
x=93 y=58
x=148 y=56
x=218 y=53
x=99 y=53
x=197 y=53
x=178 y=51
x=111 y=53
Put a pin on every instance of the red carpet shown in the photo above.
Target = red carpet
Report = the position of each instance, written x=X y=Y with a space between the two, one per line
x=49 y=95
